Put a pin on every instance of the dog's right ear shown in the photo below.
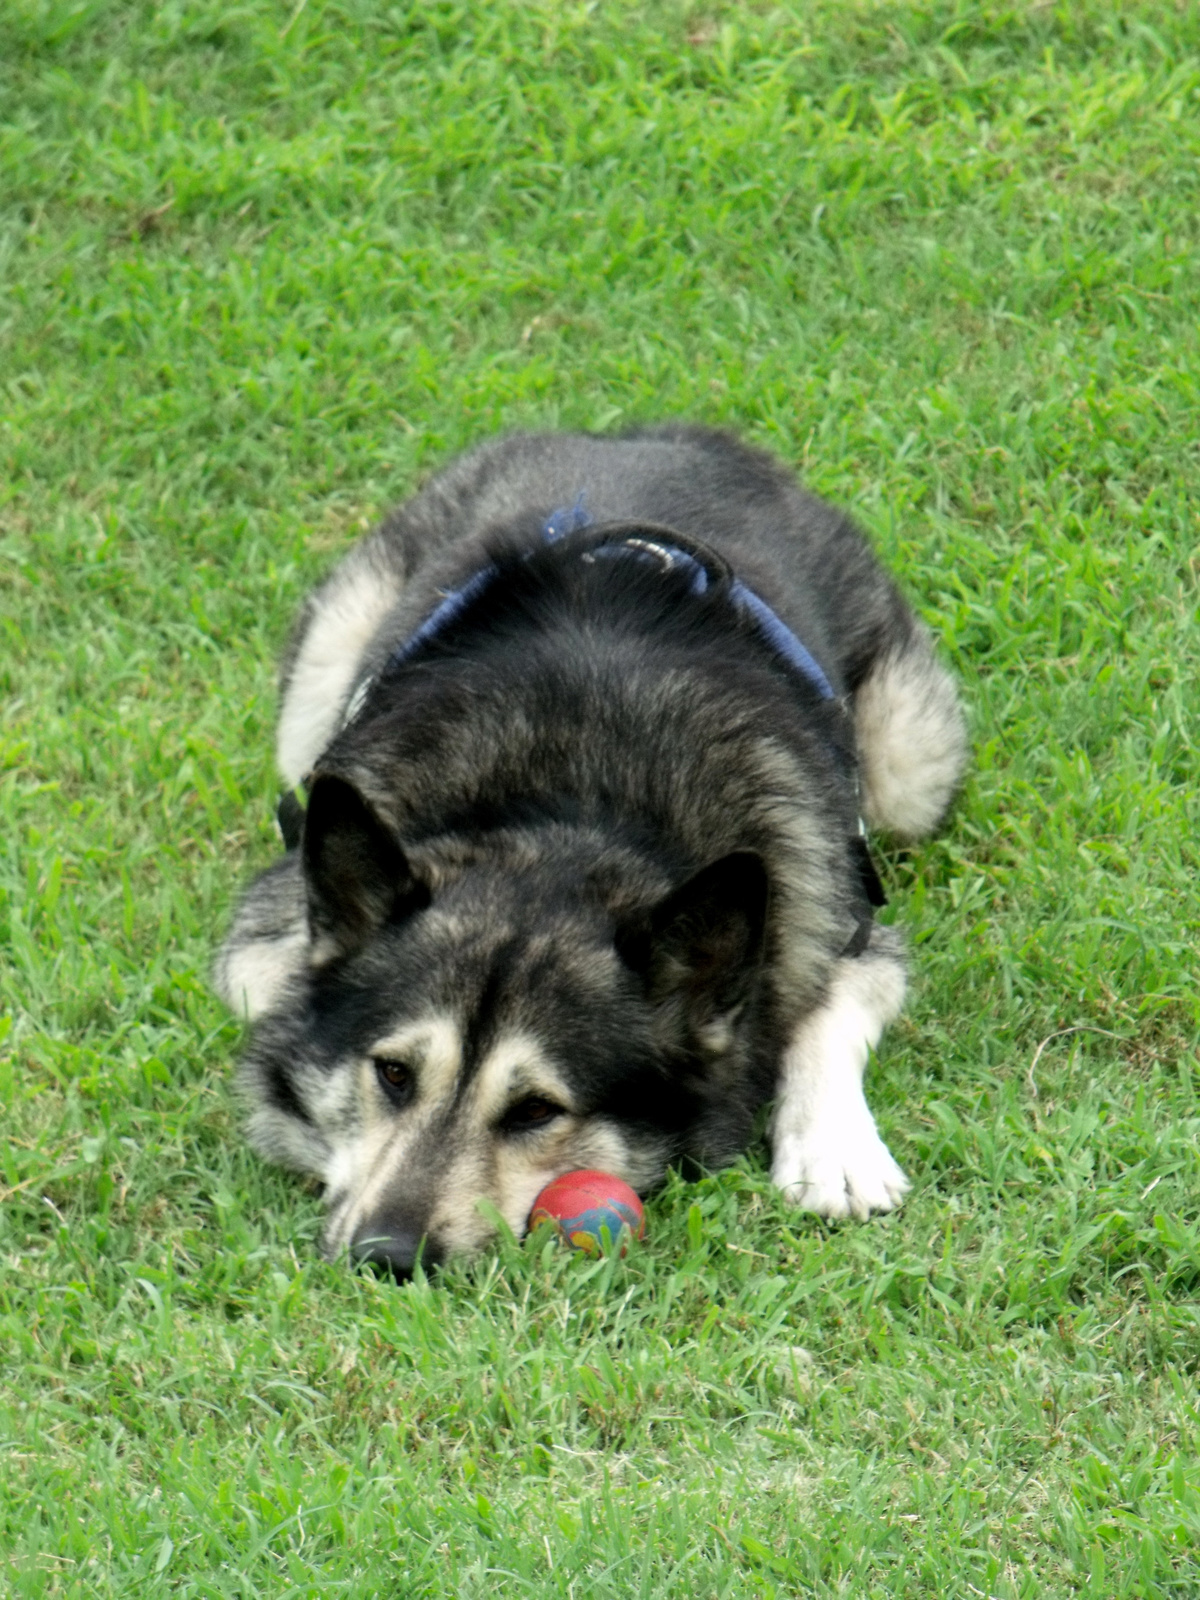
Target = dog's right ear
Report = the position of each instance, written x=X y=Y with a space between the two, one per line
x=356 y=876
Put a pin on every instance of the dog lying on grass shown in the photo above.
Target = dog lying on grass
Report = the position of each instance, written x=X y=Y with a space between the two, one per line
x=588 y=731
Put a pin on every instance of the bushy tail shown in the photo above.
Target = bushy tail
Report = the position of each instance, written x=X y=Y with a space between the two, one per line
x=912 y=739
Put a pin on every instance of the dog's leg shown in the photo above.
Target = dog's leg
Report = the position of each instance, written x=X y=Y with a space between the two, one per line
x=827 y=1153
x=267 y=947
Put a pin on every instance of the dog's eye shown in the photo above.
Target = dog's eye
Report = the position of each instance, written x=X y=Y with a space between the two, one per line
x=396 y=1080
x=533 y=1112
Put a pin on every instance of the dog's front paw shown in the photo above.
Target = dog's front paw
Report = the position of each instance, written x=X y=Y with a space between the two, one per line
x=838 y=1169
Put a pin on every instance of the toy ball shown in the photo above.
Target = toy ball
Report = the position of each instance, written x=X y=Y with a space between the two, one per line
x=583 y=1206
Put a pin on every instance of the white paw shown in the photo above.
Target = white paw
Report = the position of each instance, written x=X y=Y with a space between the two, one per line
x=838 y=1168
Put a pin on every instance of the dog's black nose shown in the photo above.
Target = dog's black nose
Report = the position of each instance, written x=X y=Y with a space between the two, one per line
x=392 y=1250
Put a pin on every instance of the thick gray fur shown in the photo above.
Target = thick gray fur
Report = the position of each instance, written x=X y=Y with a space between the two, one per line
x=615 y=767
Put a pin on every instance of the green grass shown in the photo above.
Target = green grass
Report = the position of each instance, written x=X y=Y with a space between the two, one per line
x=261 y=267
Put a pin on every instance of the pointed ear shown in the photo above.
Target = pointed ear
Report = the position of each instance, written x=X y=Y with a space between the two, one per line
x=356 y=876
x=704 y=941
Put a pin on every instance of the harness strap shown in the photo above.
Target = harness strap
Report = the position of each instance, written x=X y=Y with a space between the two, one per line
x=643 y=541
x=637 y=541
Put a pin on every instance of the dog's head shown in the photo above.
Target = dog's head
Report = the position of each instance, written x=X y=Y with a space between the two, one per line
x=465 y=1033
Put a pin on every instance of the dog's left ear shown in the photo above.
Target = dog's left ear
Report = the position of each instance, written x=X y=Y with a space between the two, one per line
x=703 y=943
x=356 y=875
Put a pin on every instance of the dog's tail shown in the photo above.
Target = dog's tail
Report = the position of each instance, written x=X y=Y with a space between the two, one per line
x=912 y=738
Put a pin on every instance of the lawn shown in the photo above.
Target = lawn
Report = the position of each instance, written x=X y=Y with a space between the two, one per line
x=262 y=267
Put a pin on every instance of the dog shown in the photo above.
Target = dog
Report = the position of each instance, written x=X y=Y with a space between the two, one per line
x=590 y=730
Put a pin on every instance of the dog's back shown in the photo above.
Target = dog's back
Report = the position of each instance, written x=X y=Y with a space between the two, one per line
x=807 y=559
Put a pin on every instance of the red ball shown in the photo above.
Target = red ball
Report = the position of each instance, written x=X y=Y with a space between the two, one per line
x=582 y=1205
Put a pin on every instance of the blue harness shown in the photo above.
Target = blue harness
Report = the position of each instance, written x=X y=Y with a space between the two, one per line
x=669 y=556
x=647 y=543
